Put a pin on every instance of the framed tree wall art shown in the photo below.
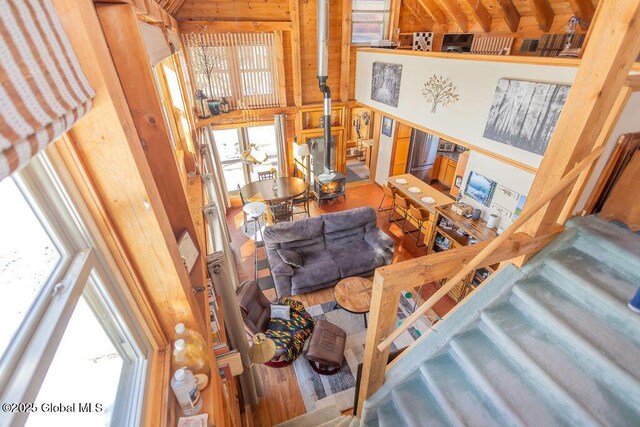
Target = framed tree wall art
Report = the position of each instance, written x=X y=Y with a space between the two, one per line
x=524 y=114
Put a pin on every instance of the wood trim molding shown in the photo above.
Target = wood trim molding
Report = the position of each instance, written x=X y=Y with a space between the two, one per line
x=234 y=26
x=511 y=59
x=471 y=147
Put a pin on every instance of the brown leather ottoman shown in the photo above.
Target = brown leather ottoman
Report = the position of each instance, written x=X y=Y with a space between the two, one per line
x=326 y=348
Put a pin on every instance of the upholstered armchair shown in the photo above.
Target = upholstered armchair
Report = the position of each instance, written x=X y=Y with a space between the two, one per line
x=288 y=335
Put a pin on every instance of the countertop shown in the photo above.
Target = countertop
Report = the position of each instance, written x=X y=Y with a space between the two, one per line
x=453 y=155
x=425 y=190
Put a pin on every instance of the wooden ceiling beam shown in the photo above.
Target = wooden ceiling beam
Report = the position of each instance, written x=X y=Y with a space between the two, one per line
x=583 y=9
x=543 y=13
x=510 y=14
x=481 y=13
x=456 y=13
x=434 y=10
x=418 y=12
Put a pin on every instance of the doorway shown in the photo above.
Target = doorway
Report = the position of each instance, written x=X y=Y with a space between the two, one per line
x=359 y=145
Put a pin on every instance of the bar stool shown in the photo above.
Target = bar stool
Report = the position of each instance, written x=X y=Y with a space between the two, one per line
x=420 y=216
x=402 y=204
x=390 y=193
x=254 y=211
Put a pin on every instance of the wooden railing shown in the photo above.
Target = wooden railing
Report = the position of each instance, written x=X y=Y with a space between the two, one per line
x=389 y=281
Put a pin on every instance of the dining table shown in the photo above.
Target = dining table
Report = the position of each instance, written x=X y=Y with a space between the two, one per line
x=263 y=191
x=405 y=183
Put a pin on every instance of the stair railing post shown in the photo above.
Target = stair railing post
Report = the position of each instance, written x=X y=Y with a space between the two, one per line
x=385 y=298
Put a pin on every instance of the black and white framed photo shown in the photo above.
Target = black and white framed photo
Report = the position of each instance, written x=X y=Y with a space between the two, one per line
x=458 y=181
x=387 y=126
x=385 y=83
x=524 y=114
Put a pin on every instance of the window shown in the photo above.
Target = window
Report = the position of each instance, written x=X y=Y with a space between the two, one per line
x=67 y=335
x=232 y=142
x=368 y=20
x=239 y=67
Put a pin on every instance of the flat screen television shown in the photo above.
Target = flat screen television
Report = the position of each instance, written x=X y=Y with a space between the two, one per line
x=480 y=188
x=457 y=42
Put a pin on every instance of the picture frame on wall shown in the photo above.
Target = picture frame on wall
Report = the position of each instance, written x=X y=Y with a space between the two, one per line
x=524 y=114
x=458 y=181
x=387 y=126
x=480 y=188
x=385 y=83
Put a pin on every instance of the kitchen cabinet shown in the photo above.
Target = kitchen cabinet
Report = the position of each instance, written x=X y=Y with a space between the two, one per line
x=436 y=167
x=445 y=170
x=450 y=173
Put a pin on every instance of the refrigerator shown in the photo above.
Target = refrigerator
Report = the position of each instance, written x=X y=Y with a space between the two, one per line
x=422 y=154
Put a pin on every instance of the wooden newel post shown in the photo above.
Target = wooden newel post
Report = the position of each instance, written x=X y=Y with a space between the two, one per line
x=384 y=308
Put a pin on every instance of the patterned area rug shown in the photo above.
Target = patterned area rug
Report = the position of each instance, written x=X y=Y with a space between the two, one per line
x=339 y=389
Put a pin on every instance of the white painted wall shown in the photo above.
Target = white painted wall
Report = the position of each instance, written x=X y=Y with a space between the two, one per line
x=476 y=82
x=511 y=177
x=384 y=155
x=628 y=122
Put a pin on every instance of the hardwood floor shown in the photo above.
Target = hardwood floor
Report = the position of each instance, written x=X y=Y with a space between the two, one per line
x=282 y=398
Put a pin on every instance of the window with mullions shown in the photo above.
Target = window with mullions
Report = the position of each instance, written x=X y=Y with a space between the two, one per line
x=67 y=339
x=368 y=20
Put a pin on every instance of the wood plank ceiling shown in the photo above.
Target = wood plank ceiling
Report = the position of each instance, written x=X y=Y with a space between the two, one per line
x=448 y=15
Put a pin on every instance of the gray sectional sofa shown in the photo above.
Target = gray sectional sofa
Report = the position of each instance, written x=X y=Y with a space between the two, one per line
x=331 y=246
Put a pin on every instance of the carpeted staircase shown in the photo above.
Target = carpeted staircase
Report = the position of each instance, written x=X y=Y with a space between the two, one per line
x=550 y=344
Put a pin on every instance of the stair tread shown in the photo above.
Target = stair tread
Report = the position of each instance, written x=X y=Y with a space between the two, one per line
x=314 y=418
x=457 y=396
x=597 y=272
x=608 y=340
x=416 y=404
x=594 y=396
x=388 y=416
x=623 y=245
x=490 y=365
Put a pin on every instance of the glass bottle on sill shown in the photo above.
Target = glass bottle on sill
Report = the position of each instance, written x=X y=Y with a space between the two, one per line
x=191 y=337
x=192 y=358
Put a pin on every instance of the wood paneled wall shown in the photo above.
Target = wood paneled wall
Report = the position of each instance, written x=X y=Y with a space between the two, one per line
x=229 y=10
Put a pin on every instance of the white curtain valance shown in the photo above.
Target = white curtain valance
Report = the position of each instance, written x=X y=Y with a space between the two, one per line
x=43 y=90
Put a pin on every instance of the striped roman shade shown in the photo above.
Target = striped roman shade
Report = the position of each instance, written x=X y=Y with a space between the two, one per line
x=43 y=91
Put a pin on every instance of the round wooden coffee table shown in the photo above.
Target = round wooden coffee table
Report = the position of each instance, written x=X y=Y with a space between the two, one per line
x=354 y=295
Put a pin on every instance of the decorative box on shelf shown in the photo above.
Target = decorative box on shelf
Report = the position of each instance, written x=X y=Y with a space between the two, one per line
x=462 y=208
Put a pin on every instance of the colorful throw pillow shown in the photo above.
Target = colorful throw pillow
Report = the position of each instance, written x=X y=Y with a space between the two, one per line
x=290 y=257
x=280 y=312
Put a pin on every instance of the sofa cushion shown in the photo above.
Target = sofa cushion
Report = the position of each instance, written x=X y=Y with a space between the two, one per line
x=320 y=270
x=291 y=258
x=352 y=218
x=305 y=246
x=342 y=237
x=355 y=258
x=292 y=231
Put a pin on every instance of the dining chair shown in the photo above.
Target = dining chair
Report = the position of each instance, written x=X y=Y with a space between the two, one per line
x=244 y=202
x=265 y=175
x=303 y=202
x=281 y=209
x=421 y=217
